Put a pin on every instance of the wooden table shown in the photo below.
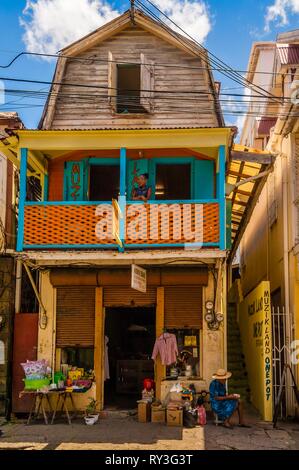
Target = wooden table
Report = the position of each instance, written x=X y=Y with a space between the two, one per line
x=39 y=399
x=62 y=399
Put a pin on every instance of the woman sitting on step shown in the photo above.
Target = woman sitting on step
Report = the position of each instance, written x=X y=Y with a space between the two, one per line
x=222 y=404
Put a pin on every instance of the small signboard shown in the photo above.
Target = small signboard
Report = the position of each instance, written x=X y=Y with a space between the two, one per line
x=138 y=278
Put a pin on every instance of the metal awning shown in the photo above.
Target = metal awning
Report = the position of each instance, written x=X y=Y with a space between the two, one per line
x=245 y=163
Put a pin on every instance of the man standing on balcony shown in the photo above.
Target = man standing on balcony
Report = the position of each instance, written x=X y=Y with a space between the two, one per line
x=143 y=192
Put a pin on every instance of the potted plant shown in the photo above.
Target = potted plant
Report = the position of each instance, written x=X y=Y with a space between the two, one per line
x=91 y=415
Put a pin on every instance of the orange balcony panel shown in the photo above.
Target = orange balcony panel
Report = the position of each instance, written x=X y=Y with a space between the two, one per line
x=70 y=225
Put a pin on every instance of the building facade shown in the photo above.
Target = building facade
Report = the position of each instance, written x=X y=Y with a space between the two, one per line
x=117 y=110
x=269 y=247
x=8 y=221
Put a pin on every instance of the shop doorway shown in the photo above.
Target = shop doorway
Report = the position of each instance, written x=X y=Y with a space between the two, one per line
x=131 y=337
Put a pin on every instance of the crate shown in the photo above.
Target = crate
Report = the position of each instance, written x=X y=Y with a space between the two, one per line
x=144 y=412
x=158 y=415
x=174 y=417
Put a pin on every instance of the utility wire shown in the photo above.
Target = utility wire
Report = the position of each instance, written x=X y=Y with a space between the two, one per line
x=102 y=87
x=85 y=96
x=238 y=78
x=157 y=64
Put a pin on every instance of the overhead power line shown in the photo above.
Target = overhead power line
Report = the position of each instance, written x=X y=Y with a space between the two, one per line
x=238 y=78
x=103 y=87
x=93 y=59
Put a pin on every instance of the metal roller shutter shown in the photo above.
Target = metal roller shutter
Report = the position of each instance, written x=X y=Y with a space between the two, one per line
x=183 y=307
x=119 y=296
x=75 y=316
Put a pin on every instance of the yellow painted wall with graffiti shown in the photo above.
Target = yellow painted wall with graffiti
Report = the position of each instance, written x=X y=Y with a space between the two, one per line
x=256 y=334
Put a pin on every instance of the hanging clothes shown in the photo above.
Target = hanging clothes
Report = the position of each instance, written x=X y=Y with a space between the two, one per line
x=166 y=346
x=106 y=372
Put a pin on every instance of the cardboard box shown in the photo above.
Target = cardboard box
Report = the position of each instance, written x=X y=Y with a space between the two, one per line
x=174 y=417
x=144 y=412
x=158 y=415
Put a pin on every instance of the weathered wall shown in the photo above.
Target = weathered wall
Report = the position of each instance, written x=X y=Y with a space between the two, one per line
x=213 y=348
x=261 y=249
x=91 y=111
x=7 y=289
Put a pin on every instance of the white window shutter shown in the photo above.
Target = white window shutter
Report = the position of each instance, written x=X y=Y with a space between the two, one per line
x=112 y=81
x=147 y=78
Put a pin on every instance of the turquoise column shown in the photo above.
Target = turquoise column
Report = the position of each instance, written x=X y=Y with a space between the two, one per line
x=221 y=196
x=22 y=199
x=122 y=196
x=46 y=187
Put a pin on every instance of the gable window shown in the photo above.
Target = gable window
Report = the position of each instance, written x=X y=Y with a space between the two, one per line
x=128 y=89
x=173 y=182
x=103 y=182
x=131 y=86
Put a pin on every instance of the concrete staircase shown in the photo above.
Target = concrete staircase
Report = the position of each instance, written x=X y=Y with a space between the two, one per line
x=235 y=357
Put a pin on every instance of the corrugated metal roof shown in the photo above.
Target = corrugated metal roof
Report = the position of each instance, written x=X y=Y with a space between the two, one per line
x=241 y=197
x=288 y=54
x=265 y=125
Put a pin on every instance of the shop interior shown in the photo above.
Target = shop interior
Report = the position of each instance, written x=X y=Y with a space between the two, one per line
x=130 y=336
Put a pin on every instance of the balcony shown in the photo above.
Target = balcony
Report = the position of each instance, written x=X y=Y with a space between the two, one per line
x=67 y=225
x=72 y=215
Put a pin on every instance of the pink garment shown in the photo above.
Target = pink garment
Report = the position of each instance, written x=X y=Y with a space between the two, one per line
x=166 y=346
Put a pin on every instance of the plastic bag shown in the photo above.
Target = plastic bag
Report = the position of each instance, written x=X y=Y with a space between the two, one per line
x=35 y=368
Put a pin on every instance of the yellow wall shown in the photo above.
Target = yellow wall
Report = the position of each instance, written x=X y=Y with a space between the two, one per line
x=47 y=340
x=256 y=333
x=214 y=344
x=262 y=246
x=261 y=249
x=296 y=319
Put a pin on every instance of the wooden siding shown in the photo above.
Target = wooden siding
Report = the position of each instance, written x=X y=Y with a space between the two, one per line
x=84 y=110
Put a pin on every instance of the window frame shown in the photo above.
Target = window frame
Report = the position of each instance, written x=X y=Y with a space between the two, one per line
x=147 y=82
x=129 y=113
x=174 y=161
x=94 y=161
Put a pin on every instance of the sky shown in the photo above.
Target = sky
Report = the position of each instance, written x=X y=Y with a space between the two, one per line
x=226 y=28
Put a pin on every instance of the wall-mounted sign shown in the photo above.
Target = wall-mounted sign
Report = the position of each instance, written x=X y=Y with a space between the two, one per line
x=138 y=278
x=256 y=332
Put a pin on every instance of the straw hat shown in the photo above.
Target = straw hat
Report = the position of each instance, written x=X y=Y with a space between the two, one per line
x=222 y=374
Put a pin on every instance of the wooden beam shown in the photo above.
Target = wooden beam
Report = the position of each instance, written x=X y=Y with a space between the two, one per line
x=69 y=140
x=99 y=346
x=248 y=212
x=244 y=193
x=238 y=213
x=241 y=203
x=239 y=175
x=252 y=157
x=49 y=111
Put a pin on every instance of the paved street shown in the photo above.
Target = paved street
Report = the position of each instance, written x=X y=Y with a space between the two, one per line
x=123 y=432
